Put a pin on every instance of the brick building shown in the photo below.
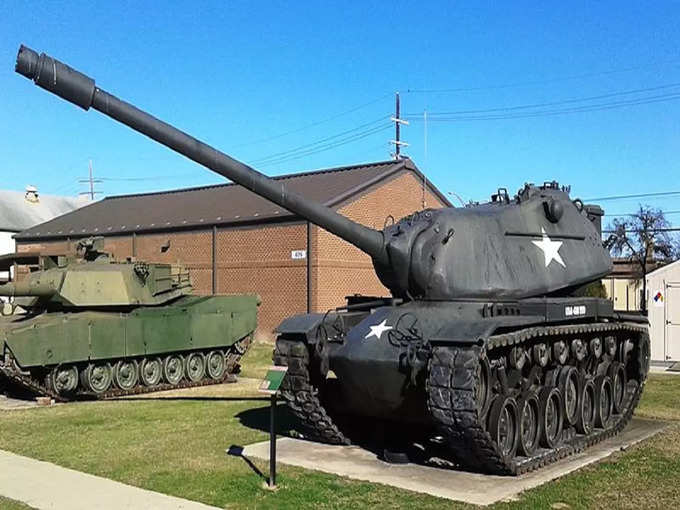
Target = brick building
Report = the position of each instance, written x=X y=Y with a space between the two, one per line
x=233 y=241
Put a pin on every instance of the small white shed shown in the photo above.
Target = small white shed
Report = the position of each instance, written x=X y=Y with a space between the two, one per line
x=663 y=305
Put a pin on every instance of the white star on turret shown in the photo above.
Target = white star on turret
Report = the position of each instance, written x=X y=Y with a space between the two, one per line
x=551 y=249
x=378 y=330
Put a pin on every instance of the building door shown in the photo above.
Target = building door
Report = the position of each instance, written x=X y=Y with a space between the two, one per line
x=672 y=306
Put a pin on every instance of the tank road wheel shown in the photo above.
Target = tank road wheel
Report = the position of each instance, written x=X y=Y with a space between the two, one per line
x=126 y=374
x=578 y=349
x=560 y=352
x=586 y=408
x=173 y=369
x=64 y=379
x=151 y=371
x=596 y=347
x=541 y=353
x=529 y=428
x=504 y=425
x=195 y=366
x=98 y=378
x=569 y=386
x=610 y=346
x=215 y=365
x=617 y=374
x=550 y=407
x=603 y=401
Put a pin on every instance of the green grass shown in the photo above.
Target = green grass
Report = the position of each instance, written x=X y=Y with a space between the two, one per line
x=178 y=447
x=10 y=504
x=257 y=359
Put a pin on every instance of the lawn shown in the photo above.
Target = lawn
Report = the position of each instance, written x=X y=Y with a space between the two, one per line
x=177 y=446
x=10 y=504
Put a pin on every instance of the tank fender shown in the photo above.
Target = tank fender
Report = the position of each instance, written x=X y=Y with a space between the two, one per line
x=470 y=331
x=303 y=324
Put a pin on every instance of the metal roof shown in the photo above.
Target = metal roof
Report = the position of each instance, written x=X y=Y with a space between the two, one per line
x=17 y=213
x=224 y=204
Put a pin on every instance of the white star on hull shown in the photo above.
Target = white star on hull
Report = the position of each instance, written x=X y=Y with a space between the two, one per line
x=378 y=330
x=551 y=249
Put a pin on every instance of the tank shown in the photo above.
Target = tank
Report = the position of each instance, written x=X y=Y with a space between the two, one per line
x=88 y=325
x=487 y=346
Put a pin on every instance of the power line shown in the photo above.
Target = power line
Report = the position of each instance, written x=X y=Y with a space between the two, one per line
x=650 y=230
x=542 y=82
x=641 y=195
x=622 y=215
x=368 y=126
x=149 y=178
x=313 y=124
x=329 y=146
x=549 y=113
x=555 y=103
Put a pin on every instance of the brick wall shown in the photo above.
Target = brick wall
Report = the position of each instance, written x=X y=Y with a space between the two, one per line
x=258 y=260
x=193 y=249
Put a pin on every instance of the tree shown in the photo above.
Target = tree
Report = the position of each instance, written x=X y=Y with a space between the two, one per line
x=644 y=238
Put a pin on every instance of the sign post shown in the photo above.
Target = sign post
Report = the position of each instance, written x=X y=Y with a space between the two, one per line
x=270 y=385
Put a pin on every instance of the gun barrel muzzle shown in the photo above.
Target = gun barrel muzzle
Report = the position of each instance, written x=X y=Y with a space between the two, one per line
x=28 y=288
x=56 y=77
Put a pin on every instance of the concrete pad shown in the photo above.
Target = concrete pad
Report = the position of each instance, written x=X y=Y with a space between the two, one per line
x=47 y=486
x=475 y=488
x=8 y=404
x=665 y=370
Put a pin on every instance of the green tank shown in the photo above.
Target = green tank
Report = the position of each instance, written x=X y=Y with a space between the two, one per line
x=88 y=325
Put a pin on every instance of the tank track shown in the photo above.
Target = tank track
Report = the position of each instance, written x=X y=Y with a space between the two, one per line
x=452 y=397
x=233 y=356
x=301 y=396
x=452 y=386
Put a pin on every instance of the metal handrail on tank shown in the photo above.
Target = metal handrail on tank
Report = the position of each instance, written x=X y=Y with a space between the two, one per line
x=79 y=89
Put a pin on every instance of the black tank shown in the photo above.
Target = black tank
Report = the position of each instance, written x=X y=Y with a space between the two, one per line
x=485 y=343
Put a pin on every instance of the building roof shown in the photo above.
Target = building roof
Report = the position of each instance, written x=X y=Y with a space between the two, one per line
x=627 y=269
x=223 y=204
x=17 y=213
x=673 y=266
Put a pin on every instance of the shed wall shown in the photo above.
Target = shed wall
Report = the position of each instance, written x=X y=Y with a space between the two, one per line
x=664 y=314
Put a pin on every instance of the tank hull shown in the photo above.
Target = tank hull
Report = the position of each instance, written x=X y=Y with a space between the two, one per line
x=36 y=347
x=458 y=369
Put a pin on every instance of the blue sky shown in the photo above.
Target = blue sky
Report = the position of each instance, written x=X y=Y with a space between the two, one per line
x=239 y=74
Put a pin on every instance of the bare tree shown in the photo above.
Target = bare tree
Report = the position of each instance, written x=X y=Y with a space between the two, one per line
x=644 y=238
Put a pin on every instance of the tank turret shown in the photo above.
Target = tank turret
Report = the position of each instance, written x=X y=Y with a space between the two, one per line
x=538 y=242
x=92 y=278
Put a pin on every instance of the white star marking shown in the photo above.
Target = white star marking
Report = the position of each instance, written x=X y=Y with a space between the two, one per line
x=551 y=249
x=378 y=330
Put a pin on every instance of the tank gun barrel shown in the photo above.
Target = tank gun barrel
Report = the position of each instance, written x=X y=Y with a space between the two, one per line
x=79 y=89
x=28 y=288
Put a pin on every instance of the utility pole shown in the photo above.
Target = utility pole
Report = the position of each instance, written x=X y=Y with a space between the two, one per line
x=398 y=121
x=426 y=167
x=91 y=183
x=90 y=180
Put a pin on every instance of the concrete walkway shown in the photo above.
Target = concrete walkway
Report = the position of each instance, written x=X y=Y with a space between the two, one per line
x=475 y=488
x=47 y=486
